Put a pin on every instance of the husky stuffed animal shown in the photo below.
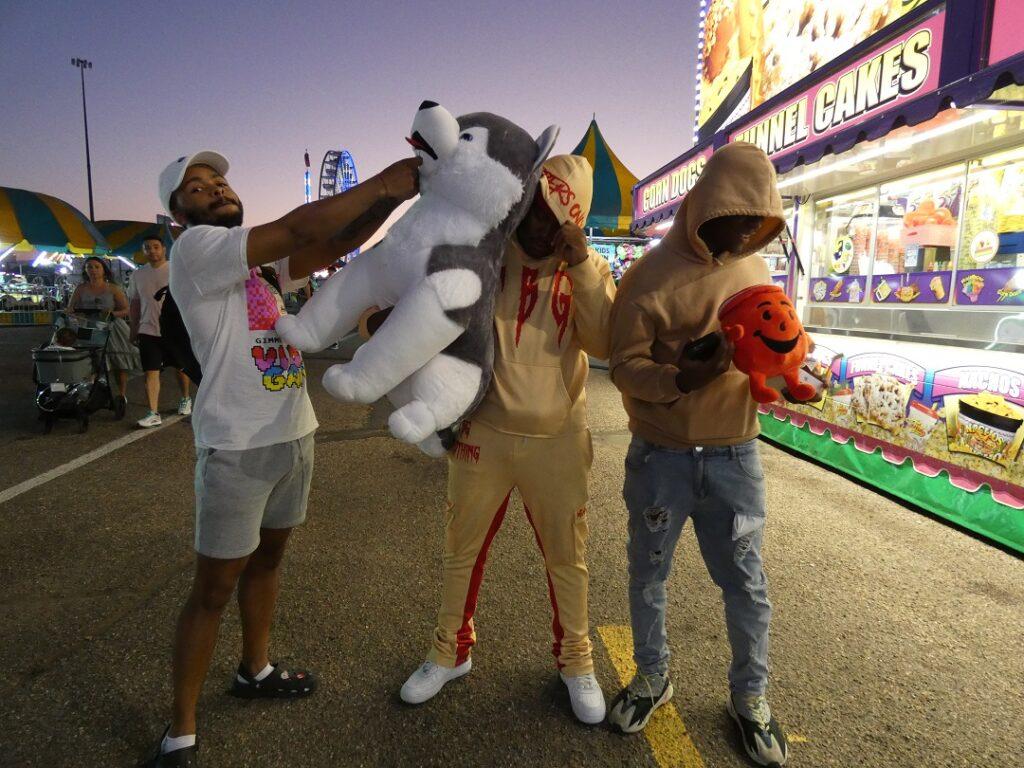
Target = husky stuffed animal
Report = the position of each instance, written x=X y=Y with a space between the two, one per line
x=439 y=267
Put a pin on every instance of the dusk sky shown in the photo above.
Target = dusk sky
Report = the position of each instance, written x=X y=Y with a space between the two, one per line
x=261 y=82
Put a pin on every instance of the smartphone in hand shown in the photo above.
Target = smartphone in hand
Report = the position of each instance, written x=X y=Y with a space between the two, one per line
x=702 y=348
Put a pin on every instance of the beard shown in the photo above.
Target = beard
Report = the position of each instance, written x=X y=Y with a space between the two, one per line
x=218 y=217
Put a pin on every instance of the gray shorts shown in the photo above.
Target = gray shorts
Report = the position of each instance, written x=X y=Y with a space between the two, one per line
x=239 y=492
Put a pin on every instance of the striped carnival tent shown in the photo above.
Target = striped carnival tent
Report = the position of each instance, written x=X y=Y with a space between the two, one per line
x=125 y=237
x=611 y=212
x=34 y=221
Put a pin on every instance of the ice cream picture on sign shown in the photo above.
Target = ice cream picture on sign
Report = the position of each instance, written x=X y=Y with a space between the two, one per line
x=972 y=285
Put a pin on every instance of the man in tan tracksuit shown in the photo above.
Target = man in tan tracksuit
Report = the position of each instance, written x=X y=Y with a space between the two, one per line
x=531 y=433
x=694 y=454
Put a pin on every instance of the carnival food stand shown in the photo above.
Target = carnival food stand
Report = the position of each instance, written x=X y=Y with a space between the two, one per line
x=900 y=155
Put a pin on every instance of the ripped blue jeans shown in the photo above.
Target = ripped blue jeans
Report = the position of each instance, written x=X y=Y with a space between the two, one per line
x=722 y=490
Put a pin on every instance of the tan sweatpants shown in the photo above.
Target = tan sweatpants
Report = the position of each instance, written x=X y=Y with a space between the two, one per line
x=551 y=475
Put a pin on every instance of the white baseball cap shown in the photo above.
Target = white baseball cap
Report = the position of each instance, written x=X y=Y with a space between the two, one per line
x=170 y=178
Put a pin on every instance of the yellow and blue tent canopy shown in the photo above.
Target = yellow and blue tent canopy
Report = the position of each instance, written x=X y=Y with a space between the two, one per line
x=125 y=237
x=612 y=209
x=34 y=221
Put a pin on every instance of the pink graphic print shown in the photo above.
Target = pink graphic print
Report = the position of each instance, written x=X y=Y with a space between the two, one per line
x=261 y=302
x=280 y=366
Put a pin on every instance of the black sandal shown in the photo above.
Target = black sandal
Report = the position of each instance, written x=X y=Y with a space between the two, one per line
x=279 y=684
x=187 y=757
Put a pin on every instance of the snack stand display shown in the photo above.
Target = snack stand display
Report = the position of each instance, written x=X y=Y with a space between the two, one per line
x=902 y=161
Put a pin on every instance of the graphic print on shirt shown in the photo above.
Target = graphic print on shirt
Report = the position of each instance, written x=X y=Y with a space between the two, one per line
x=279 y=364
x=528 y=291
x=561 y=302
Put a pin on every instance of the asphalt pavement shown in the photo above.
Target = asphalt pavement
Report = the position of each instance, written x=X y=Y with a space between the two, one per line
x=897 y=640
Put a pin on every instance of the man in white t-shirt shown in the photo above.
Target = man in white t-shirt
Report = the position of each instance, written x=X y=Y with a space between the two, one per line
x=252 y=419
x=144 y=311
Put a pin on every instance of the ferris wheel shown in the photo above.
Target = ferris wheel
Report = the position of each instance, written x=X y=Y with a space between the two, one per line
x=337 y=173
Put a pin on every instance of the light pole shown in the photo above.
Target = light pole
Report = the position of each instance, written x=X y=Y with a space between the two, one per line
x=83 y=65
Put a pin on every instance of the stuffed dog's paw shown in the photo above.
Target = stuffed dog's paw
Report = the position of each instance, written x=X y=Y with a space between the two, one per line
x=413 y=423
x=342 y=385
x=294 y=333
x=433 y=447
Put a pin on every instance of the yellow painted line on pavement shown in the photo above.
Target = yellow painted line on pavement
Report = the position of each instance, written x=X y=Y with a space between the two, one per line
x=666 y=733
x=796 y=738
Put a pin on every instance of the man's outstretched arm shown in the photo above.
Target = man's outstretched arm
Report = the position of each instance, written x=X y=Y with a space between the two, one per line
x=329 y=228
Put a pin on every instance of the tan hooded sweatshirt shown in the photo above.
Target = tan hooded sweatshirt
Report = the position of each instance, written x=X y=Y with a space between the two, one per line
x=548 y=317
x=672 y=295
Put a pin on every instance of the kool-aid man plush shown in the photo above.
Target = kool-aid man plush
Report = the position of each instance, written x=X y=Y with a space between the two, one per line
x=769 y=338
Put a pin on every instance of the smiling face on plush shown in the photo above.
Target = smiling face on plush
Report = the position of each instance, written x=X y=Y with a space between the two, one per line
x=770 y=340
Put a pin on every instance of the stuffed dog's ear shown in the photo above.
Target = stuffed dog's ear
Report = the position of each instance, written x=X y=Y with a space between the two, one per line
x=545 y=143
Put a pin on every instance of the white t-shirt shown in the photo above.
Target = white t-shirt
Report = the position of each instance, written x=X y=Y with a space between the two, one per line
x=146 y=281
x=253 y=391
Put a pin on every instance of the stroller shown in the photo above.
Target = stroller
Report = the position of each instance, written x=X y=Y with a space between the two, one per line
x=71 y=374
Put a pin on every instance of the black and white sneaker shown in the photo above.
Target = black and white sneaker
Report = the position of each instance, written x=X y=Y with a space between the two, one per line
x=762 y=736
x=635 y=704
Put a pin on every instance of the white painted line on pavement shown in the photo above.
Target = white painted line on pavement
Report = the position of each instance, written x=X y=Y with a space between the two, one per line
x=16 y=490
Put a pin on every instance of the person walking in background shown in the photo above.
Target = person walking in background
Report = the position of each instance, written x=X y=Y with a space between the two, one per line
x=694 y=453
x=99 y=297
x=144 y=307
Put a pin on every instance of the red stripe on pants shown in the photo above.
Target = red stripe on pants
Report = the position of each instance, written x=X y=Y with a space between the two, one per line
x=464 y=637
x=556 y=625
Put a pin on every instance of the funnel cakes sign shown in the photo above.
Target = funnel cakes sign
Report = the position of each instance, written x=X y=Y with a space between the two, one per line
x=903 y=68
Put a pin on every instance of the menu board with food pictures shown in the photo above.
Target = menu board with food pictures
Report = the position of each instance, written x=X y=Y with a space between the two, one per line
x=912 y=288
x=755 y=49
x=844 y=290
x=991 y=286
x=966 y=416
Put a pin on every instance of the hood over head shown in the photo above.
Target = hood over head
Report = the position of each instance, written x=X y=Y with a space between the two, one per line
x=738 y=180
x=567 y=186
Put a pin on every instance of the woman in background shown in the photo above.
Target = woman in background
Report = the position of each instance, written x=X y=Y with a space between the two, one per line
x=98 y=296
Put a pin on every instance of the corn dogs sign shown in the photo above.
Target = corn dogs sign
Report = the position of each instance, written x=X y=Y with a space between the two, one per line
x=902 y=69
x=671 y=187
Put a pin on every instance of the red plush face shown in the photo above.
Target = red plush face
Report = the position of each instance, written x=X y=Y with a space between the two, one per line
x=773 y=338
x=777 y=328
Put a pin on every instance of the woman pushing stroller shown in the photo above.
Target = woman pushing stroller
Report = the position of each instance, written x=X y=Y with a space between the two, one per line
x=96 y=296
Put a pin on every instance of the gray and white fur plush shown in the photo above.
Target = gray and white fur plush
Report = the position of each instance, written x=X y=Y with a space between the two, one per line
x=439 y=267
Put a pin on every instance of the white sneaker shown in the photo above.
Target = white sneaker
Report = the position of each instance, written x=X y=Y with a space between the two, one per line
x=586 y=697
x=425 y=682
x=151 y=419
x=185 y=406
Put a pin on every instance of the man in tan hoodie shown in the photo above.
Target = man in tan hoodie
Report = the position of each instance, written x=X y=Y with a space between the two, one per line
x=531 y=433
x=694 y=424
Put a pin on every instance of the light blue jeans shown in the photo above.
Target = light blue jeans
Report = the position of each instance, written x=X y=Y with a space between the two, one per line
x=722 y=490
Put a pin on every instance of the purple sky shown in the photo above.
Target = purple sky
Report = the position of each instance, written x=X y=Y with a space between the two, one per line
x=262 y=82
